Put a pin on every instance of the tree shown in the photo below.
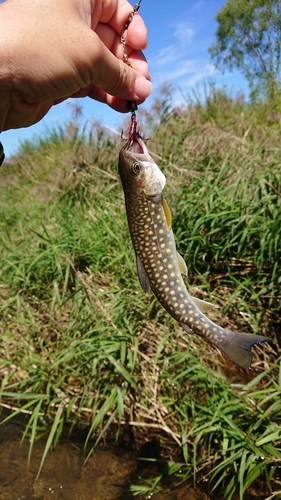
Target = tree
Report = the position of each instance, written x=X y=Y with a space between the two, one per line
x=249 y=38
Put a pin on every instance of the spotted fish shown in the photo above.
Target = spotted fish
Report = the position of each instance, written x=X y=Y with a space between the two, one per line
x=159 y=265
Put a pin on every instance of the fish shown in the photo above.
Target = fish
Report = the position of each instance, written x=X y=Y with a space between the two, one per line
x=160 y=267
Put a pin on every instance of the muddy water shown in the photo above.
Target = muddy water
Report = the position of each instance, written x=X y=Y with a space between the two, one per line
x=106 y=475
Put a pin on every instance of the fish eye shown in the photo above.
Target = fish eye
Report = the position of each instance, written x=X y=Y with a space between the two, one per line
x=136 y=168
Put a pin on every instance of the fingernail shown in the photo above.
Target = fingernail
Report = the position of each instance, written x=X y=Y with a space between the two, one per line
x=143 y=87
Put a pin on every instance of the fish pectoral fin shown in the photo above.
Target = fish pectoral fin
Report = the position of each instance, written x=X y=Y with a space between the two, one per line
x=182 y=265
x=167 y=212
x=143 y=278
x=203 y=305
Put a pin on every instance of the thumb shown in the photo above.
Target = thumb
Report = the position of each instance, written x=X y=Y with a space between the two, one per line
x=98 y=66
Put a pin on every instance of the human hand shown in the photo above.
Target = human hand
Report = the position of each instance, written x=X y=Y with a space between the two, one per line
x=57 y=49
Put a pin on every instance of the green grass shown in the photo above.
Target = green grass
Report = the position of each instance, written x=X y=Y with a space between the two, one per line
x=82 y=346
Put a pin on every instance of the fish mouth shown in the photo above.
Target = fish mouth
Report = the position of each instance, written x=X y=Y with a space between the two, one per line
x=139 y=145
x=134 y=142
x=152 y=190
x=155 y=198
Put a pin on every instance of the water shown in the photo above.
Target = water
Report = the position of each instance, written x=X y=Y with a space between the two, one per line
x=65 y=476
x=106 y=475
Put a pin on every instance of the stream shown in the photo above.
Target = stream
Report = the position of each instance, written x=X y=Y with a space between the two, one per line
x=106 y=475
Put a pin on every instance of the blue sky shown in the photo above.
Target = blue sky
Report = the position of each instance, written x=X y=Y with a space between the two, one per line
x=180 y=33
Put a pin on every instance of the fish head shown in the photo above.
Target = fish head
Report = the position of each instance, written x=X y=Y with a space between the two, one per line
x=139 y=173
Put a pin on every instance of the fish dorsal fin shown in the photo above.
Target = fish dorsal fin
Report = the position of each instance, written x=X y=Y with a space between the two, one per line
x=182 y=265
x=203 y=305
x=143 y=278
x=167 y=212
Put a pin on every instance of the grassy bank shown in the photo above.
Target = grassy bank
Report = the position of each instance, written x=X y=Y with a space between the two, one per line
x=81 y=343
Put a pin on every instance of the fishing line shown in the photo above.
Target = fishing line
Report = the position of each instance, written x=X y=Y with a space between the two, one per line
x=132 y=105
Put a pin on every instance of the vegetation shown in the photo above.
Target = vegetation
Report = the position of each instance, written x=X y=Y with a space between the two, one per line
x=248 y=39
x=82 y=346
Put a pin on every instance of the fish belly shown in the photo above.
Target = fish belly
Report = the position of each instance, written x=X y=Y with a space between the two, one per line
x=154 y=245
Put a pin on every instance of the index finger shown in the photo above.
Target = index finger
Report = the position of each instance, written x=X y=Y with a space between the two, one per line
x=137 y=32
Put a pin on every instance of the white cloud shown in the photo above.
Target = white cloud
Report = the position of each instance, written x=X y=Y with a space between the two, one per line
x=182 y=68
x=167 y=55
x=183 y=33
x=181 y=61
x=198 y=5
x=185 y=73
x=205 y=71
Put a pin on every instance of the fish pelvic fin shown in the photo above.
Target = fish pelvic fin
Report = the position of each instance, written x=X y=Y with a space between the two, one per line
x=203 y=305
x=182 y=265
x=167 y=212
x=187 y=329
x=237 y=347
x=143 y=278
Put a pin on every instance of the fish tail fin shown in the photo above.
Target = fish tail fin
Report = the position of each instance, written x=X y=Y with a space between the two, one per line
x=238 y=347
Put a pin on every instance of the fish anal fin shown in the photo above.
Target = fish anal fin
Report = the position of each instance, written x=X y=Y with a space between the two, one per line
x=238 y=347
x=167 y=212
x=143 y=278
x=203 y=305
x=182 y=265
